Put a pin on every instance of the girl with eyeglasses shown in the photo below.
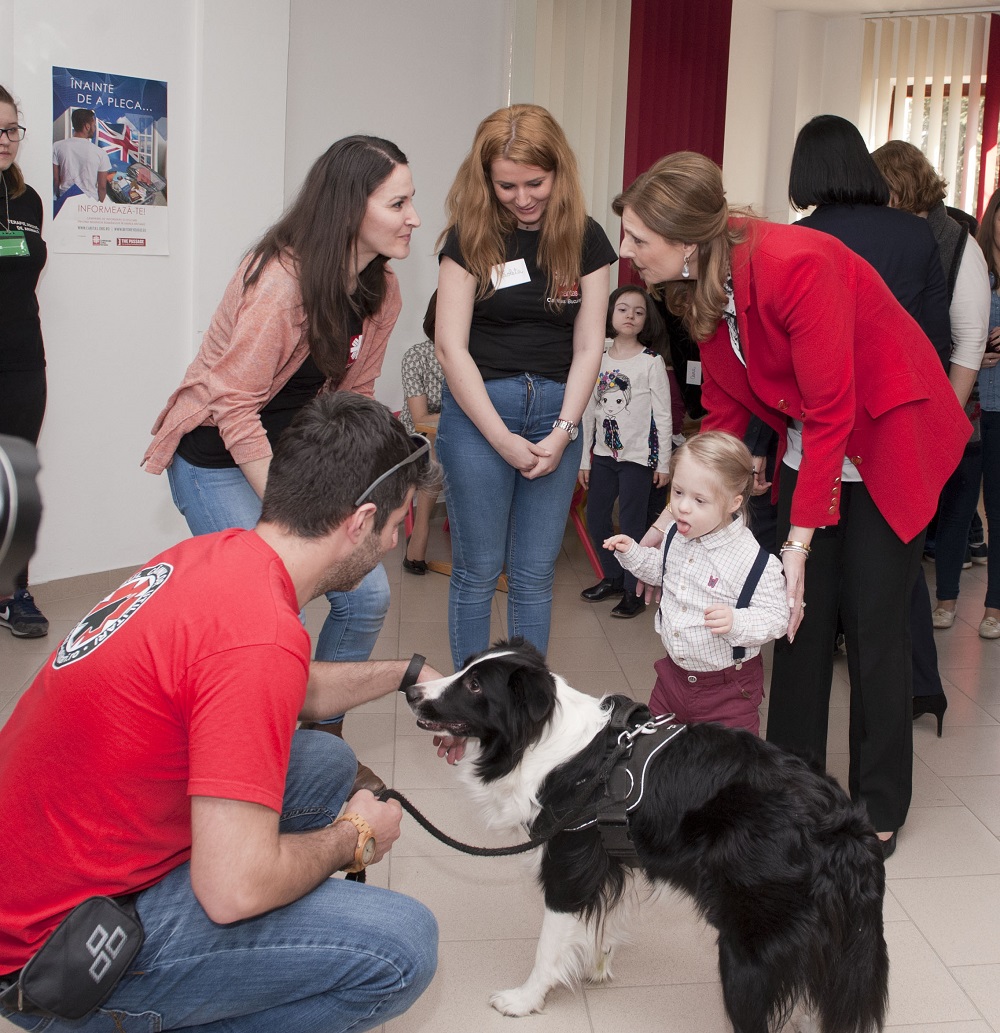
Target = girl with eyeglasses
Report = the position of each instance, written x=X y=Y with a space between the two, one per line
x=22 y=354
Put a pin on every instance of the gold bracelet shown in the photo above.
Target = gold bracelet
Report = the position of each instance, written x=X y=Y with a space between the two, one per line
x=662 y=530
x=796 y=545
x=793 y=548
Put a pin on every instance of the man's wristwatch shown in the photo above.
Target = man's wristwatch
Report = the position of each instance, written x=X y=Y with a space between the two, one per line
x=365 y=850
x=571 y=428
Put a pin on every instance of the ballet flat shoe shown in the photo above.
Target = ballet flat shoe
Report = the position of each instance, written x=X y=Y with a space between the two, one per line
x=942 y=618
x=989 y=627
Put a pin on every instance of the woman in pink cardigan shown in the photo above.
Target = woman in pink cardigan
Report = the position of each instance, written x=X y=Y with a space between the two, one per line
x=309 y=309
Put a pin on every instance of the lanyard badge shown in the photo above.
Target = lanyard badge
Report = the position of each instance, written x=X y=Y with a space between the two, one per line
x=13 y=244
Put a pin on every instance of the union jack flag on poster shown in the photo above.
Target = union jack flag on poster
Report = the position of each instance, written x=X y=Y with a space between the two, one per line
x=118 y=144
x=109 y=145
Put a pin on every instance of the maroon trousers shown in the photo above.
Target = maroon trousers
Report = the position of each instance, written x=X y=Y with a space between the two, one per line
x=730 y=697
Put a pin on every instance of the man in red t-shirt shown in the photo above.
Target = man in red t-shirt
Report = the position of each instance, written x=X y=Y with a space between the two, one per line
x=156 y=755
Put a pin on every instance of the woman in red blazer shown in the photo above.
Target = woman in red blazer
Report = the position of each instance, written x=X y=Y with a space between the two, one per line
x=795 y=328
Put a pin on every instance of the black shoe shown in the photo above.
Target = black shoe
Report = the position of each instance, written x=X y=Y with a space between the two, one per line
x=935 y=704
x=415 y=566
x=630 y=606
x=604 y=589
x=888 y=847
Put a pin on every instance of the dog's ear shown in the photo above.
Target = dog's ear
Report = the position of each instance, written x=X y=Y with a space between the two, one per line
x=533 y=688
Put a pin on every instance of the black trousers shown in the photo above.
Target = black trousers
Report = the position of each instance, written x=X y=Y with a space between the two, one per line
x=630 y=483
x=860 y=571
x=22 y=407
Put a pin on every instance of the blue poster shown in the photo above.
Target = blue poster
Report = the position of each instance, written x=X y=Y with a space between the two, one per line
x=109 y=164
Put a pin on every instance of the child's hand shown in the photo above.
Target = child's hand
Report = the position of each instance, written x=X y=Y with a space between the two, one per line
x=618 y=543
x=719 y=619
x=584 y=478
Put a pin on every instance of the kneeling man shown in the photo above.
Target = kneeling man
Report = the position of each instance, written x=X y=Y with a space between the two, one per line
x=155 y=758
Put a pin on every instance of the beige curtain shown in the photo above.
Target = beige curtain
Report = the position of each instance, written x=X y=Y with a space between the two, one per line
x=580 y=73
x=926 y=55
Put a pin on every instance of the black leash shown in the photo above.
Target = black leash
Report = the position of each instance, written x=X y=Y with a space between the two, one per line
x=465 y=848
x=622 y=718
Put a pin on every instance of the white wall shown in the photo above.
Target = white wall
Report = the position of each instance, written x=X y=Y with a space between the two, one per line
x=119 y=330
x=422 y=75
x=785 y=67
x=748 y=111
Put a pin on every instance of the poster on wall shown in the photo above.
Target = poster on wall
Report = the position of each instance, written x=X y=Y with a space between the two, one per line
x=109 y=164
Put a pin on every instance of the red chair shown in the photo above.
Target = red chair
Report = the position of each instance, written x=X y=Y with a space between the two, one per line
x=578 y=514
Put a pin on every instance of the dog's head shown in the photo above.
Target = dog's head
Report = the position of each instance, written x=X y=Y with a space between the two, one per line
x=503 y=697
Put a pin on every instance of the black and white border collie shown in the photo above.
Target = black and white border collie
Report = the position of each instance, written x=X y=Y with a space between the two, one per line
x=774 y=854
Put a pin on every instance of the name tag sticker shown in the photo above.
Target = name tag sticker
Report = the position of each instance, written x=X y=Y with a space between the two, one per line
x=510 y=275
x=13 y=244
x=694 y=373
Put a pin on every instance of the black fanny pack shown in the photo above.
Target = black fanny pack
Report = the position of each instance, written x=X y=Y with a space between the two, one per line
x=81 y=962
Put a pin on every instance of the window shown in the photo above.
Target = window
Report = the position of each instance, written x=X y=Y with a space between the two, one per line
x=923 y=80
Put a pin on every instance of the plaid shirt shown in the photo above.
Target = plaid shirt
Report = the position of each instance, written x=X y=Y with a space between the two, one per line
x=711 y=571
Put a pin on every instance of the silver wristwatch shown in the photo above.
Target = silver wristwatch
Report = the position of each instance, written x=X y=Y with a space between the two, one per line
x=571 y=428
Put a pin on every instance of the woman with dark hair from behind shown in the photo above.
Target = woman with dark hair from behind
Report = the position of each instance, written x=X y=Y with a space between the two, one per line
x=832 y=169
x=309 y=309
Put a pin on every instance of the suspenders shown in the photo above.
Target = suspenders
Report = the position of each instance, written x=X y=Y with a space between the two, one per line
x=749 y=586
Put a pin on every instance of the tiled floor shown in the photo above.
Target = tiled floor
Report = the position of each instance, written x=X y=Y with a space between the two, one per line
x=942 y=907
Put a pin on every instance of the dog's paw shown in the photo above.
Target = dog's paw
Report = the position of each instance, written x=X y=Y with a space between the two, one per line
x=516 y=1002
x=602 y=969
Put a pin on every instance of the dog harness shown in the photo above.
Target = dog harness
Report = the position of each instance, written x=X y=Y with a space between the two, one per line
x=746 y=594
x=634 y=738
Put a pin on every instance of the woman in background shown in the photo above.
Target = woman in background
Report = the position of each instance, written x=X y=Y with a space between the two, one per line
x=22 y=354
x=522 y=294
x=989 y=399
x=423 y=379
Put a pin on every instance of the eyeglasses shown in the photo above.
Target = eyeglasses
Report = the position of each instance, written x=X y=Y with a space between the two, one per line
x=14 y=133
x=424 y=446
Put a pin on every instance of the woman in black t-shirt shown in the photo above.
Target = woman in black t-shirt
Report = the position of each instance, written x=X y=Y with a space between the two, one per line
x=522 y=294
x=22 y=356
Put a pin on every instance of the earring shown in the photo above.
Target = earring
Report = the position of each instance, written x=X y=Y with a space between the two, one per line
x=685 y=271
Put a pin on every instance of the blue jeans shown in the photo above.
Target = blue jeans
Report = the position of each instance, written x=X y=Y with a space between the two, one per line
x=212 y=500
x=989 y=426
x=499 y=518
x=346 y=956
x=959 y=498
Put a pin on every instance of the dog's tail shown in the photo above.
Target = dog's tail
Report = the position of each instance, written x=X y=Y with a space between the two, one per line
x=849 y=984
